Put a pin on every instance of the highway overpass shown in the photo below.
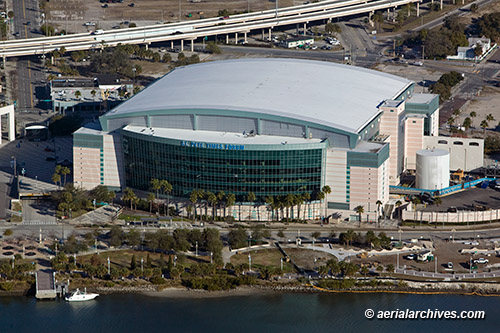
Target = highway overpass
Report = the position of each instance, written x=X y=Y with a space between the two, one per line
x=192 y=30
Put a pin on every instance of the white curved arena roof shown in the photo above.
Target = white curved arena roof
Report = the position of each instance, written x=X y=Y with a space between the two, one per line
x=340 y=96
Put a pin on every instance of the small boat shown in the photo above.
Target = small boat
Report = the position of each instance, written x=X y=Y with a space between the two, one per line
x=79 y=296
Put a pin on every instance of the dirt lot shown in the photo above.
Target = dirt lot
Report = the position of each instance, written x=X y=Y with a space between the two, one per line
x=483 y=105
x=308 y=259
x=445 y=252
x=71 y=14
x=413 y=73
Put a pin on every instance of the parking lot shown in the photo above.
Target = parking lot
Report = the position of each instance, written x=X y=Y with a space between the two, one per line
x=32 y=157
x=468 y=199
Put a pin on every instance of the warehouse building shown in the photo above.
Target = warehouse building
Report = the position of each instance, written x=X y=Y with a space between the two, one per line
x=267 y=126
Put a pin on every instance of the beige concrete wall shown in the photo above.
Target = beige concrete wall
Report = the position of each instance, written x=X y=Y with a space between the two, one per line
x=336 y=176
x=389 y=124
x=86 y=167
x=414 y=140
x=113 y=173
x=465 y=154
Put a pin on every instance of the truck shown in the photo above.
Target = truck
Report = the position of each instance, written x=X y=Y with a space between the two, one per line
x=425 y=256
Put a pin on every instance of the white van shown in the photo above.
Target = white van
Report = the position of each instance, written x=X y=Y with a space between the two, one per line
x=98 y=32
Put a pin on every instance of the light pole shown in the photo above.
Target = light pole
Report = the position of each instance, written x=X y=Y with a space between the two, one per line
x=400 y=231
x=211 y=256
x=196 y=255
x=142 y=266
x=249 y=262
x=175 y=261
x=453 y=235
x=108 y=267
x=281 y=262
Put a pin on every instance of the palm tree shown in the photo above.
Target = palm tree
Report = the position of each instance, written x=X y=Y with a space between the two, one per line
x=326 y=190
x=415 y=201
x=473 y=115
x=193 y=197
x=166 y=188
x=319 y=196
x=467 y=123
x=93 y=93
x=78 y=94
x=221 y=196
x=359 y=210
x=251 y=199
x=129 y=195
x=484 y=124
x=288 y=202
x=156 y=185
x=212 y=198
x=398 y=204
x=56 y=178
x=230 y=200
x=64 y=171
x=151 y=198
x=490 y=117
x=270 y=203
x=306 y=198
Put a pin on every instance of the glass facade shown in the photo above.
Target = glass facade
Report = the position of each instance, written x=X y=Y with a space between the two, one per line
x=264 y=172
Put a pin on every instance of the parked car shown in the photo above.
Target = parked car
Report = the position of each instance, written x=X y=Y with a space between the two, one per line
x=411 y=257
x=481 y=261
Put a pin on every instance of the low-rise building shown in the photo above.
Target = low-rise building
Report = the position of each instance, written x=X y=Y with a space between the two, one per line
x=101 y=93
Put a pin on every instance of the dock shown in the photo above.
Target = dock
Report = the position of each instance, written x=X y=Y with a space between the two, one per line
x=45 y=284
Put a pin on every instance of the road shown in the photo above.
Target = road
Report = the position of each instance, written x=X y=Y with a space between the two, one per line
x=30 y=78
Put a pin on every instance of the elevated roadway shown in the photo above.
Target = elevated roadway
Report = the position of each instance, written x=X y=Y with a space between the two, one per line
x=190 y=31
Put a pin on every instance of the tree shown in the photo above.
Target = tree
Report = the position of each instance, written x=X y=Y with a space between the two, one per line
x=7 y=232
x=116 y=236
x=151 y=198
x=478 y=50
x=484 y=125
x=212 y=199
x=129 y=195
x=326 y=190
x=64 y=171
x=166 y=188
x=56 y=178
x=213 y=48
x=332 y=28
x=167 y=58
x=359 y=210
x=490 y=117
x=398 y=205
x=281 y=234
x=390 y=268
x=133 y=238
x=251 y=199
x=133 y=263
x=346 y=237
x=316 y=235
x=467 y=123
x=474 y=7
x=370 y=238
x=230 y=200
x=237 y=238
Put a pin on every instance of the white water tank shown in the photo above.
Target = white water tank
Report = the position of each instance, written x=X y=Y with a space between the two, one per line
x=433 y=169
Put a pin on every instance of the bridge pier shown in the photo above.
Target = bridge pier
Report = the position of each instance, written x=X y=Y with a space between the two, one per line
x=236 y=38
x=394 y=15
x=192 y=45
x=270 y=33
x=418 y=9
x=147 y=46
x=172 y=44
x=370 y=15
x=305 y=27
x=182 y=45
x=227 y=39
x=262 y=34
x=441 y=5
x=245 y=34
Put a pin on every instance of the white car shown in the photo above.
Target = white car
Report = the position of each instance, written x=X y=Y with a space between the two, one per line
x=481 y=261
x=89 y=24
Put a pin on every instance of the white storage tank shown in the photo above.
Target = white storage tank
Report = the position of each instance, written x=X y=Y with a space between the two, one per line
x=433 y=169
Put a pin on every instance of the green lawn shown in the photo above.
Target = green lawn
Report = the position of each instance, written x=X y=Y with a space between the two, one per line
x=262 y=258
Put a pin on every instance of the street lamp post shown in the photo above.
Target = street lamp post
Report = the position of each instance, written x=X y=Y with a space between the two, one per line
x=211 y=256
x=108 y=267
x=281 y=262
x=142 y=265
x=249 y=262
x=196 y=254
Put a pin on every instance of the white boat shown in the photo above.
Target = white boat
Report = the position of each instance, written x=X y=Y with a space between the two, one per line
x=79 y=296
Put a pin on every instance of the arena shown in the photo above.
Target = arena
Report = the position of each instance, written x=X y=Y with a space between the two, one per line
x=267 y=126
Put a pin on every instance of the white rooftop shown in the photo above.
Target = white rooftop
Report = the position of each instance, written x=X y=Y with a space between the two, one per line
x=340 y=96
x=217 y=137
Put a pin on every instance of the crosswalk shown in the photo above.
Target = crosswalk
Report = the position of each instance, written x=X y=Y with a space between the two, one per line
x=37 y=222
